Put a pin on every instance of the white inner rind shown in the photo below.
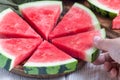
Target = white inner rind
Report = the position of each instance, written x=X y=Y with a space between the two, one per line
x=95 y=21
x=91 y=51
x=8 y=55
x=102 y=6
x=3 y=13
x=40 y=3
x=47 y=64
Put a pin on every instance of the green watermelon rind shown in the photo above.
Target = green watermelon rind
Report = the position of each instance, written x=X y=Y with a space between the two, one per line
x=95 y=21
x=54 y=68
x=7 y=60
x=93 y=52
x=40 y=3
x=102 y=9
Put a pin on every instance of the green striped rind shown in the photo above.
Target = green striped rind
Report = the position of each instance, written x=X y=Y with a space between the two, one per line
x=102 y=11
x=51 y=70
x=5 y=62
x=92 y=54
x=95 y=21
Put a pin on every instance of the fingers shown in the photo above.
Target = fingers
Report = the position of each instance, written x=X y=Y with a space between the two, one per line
x=103 y=44
x=113 y=72
x=102 y=58
x=112 y=68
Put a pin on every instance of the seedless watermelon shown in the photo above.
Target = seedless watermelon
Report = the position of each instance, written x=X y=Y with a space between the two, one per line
x=42 y=15
x=11 y=25
x=78 y=19
x=48 y=59
x=80 y=45
x=15 y=50
x=109 y=8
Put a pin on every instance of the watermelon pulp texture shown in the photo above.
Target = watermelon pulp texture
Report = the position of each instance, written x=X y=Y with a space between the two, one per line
x=116 y=22
x=42 y=17
x=79 y=45
x=113 y=4
x=51 y=61
x=14 y=51
x=73 y=21
x=11 y=25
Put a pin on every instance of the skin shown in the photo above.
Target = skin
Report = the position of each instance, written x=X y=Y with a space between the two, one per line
x=110 y=54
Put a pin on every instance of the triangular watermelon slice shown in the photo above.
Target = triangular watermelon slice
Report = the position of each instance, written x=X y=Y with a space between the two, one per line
x=107 y=8
x=49 y=60
x=15 y=50
x=11 y=25
x=78 y=19
x=42 y=15
x=80 y=45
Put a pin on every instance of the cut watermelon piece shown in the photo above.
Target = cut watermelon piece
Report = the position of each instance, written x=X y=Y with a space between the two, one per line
x=42 y=15
x=108 y=8
x=11 y=25
x=80 y=45
x=48 y=59
x=78 y=19
x=16 y=50
x=116 y=22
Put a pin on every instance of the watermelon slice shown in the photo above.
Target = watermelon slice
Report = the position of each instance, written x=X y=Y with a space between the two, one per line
x=42 y=15
x=116 y=22
x=108 y=8
x=78 y=19
x=48 y=59
x=80 y=45
x=15 y=50
x=11 y=25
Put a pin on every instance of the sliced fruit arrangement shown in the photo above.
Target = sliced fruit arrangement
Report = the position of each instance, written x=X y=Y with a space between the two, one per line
x=80 y=45
x=78 y=19
x=14 y=51
x=109 y=8
x=11 y=25
x=73 y=36
x=42 y=15
x=116 y=23
x=48 y=59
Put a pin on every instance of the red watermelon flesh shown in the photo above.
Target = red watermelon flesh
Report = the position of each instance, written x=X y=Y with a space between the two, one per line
x=78 y=19
x=41 y=17
x=79 y=45
x=17 y=50
x=48 y=59
x=116 y=22
x=11 y=25
x=113 y=4
x=48 y=53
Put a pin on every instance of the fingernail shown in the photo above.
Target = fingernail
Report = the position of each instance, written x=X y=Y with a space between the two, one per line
x=96 y=38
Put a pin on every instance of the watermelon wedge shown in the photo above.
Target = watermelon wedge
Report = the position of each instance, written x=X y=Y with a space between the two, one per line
x=116 y=23
x=108 y=8
x=15 y=50
x=80 y=45
x=11 y=25
x=42 y=15
x=78 y=19
x=48 y=59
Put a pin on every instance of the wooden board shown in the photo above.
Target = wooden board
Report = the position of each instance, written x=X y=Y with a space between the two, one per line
x=105 y=23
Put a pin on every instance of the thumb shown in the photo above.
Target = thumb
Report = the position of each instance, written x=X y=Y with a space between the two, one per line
x=103 y=44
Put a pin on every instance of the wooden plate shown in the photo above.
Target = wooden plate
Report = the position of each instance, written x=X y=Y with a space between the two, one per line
x=105 y=23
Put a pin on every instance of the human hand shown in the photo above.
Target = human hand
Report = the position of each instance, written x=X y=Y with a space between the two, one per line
x=111 y=55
